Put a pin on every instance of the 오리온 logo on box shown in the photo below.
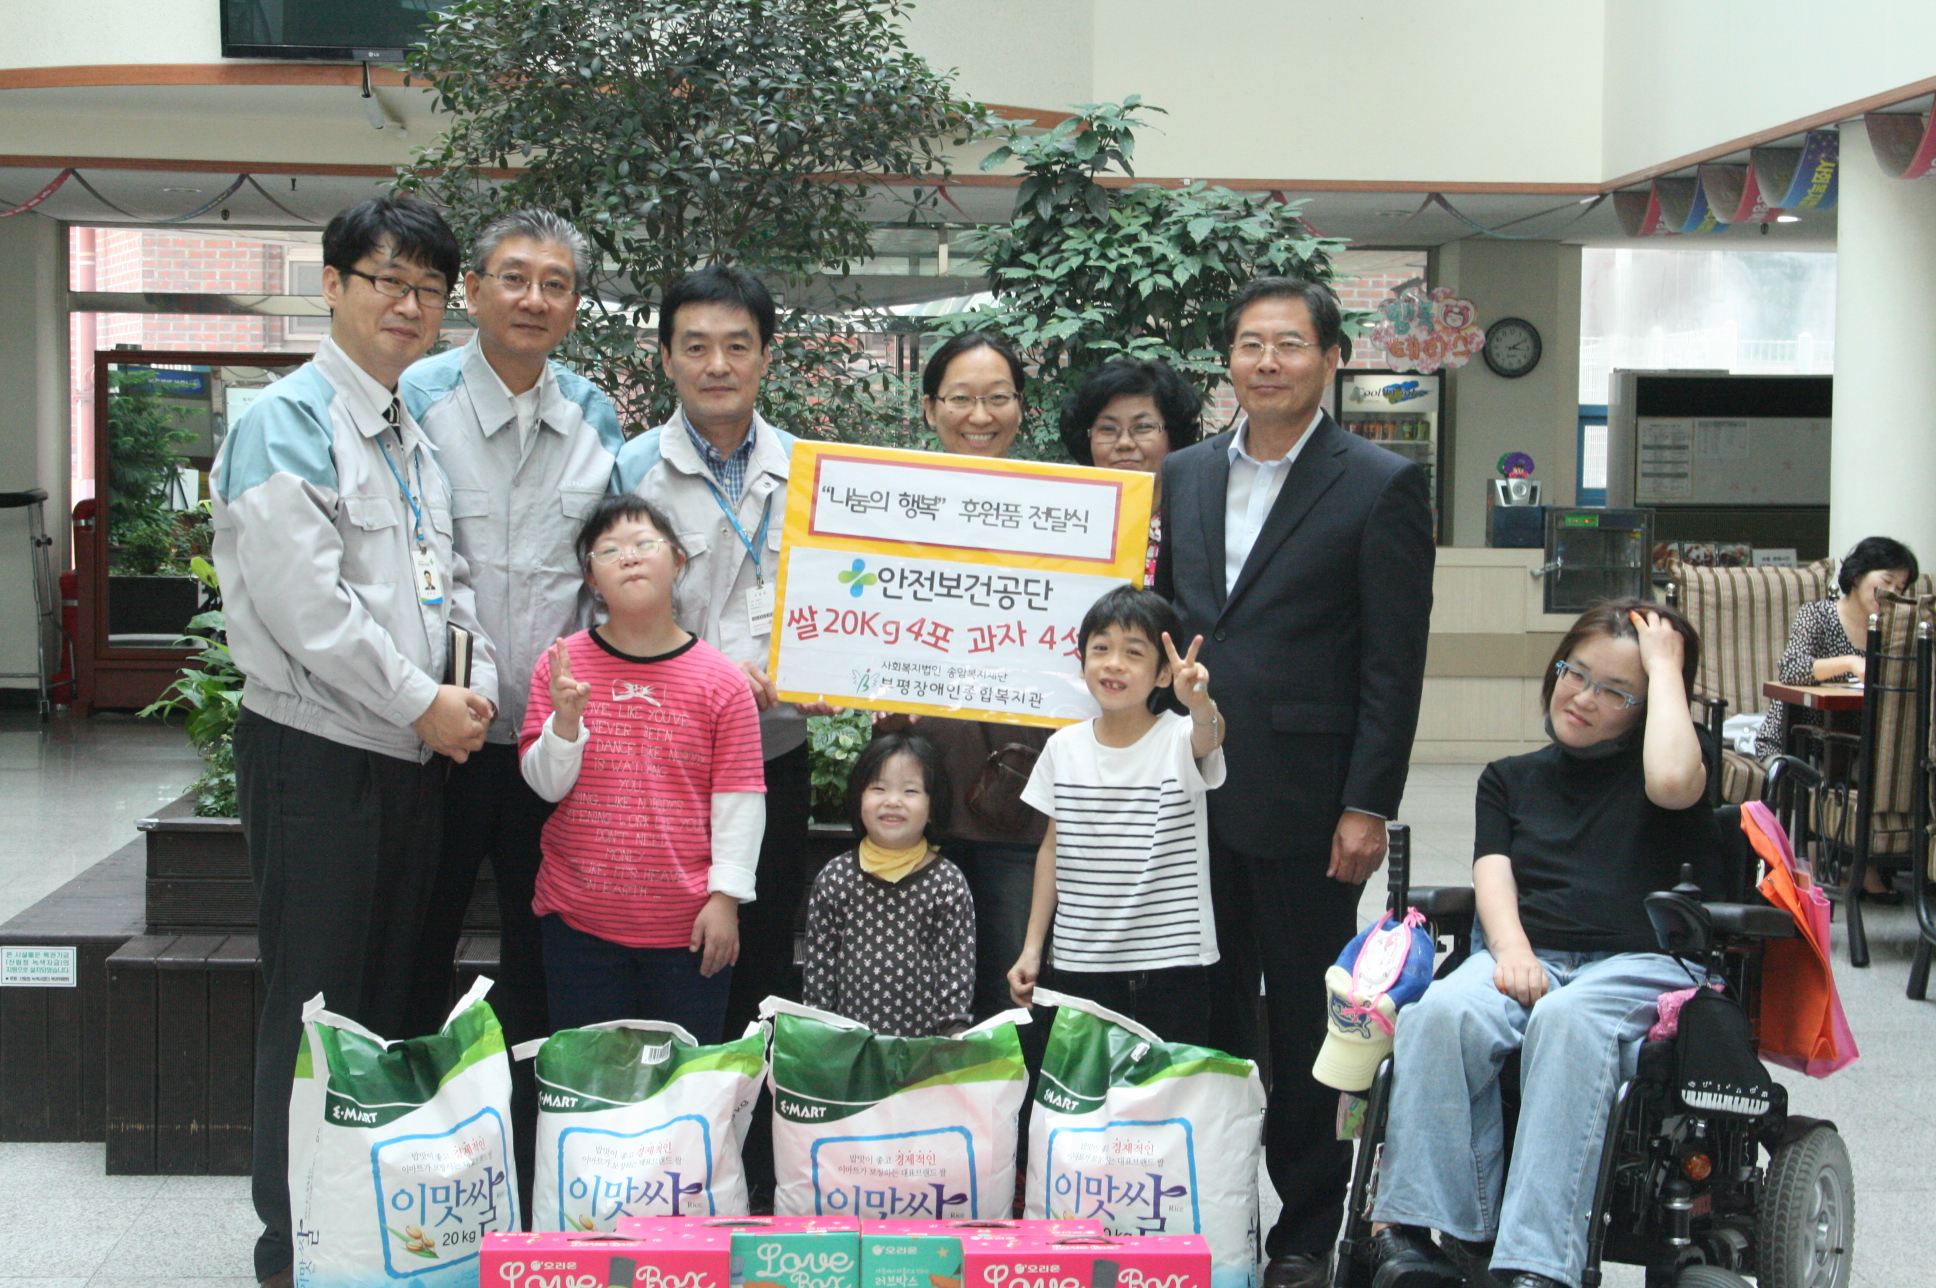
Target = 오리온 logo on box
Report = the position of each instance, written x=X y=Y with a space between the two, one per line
x=593 y=1260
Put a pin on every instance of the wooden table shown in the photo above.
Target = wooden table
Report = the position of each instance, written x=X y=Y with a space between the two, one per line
x=1816 y=697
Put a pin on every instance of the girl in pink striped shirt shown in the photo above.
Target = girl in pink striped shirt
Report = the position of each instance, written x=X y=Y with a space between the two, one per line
x=648 y=739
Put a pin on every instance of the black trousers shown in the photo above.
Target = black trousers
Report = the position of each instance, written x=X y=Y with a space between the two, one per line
x=765 y=967
x=1175 y=1003
x=489 y=810
x=766 y=925
x=1284 y=920
x=343 y=845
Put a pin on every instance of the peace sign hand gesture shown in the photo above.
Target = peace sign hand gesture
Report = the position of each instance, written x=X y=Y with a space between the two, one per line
x=1189 y=678
x=568 y=696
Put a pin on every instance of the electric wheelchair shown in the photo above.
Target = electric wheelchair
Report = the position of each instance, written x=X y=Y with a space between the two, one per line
x=1704 y=1190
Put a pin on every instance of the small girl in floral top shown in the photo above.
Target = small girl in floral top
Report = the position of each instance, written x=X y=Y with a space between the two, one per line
x=890 y=924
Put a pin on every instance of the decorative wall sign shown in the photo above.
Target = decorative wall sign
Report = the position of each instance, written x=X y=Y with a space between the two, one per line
x=1421 y=331
x=1774 y=180
x=1733 y=195
x=1799 y=178
x=1904 y=142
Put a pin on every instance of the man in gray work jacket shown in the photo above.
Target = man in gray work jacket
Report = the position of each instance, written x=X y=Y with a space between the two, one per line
x=718 y=471
x=529 y=448
x=332 y=537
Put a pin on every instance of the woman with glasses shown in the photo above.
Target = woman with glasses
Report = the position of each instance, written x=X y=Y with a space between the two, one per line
x=1570 y=841
x=972 y=390
x=1826 y=639
x=1129 y=415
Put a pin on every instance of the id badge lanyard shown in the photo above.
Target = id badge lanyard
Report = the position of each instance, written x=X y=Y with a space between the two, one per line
x=424 y=571
x=759 y=601
x=756 y=542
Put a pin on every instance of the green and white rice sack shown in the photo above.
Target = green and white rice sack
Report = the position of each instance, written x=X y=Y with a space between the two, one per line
x=635 y=1118
x=400 y=1151
x=889 y=1128
x=1147 y=1136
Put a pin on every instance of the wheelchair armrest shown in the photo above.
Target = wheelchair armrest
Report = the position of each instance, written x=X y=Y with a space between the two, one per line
x=1750 y=920
x=1445 y=903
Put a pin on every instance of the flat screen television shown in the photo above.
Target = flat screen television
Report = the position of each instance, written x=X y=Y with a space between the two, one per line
x=333 y=30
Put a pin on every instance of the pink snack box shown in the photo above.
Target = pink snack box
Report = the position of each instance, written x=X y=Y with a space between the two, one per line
x=1087 y=1261
x=589 y=1260
x=751 y=1251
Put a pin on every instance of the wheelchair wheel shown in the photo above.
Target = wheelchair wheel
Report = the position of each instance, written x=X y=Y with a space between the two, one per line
x=1805 y=1215
x=1708 y=1277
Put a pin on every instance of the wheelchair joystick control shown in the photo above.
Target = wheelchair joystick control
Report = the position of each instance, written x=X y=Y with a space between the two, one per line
x=1687 y=884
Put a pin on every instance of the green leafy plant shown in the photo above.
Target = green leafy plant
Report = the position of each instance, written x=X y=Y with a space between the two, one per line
x=833 y=744
x=678 y=134
x=1084 y=272
x=208 y=694
x=146 y=536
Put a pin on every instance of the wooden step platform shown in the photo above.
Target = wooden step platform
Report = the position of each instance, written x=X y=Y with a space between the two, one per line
x=53 y=1040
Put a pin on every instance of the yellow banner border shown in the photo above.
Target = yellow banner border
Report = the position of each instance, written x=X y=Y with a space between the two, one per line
x=803 y=472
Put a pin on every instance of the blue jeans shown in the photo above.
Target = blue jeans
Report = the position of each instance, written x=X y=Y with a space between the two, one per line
x=591 y=980
x=1001 y=878
x=1444 y=1163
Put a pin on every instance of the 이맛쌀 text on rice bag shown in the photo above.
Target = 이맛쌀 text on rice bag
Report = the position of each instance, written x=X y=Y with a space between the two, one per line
x=635 y=1118
x=885 y=1128
x=399 y=1151
x=1151 y=1137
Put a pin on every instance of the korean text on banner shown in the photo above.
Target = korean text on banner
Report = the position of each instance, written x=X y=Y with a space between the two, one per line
x=948 y=585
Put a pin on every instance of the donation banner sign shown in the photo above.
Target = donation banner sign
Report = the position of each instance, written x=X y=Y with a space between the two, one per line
x=948 y=585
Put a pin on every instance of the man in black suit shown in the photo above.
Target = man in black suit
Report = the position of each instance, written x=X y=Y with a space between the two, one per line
x=1303 y=556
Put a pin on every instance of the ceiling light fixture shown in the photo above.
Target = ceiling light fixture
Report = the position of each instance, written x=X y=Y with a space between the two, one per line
x=181 y=189
x=1788 y=219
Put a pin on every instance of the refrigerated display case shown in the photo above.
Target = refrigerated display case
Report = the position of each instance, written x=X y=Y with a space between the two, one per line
x=1401 y=412
x=1594 y=553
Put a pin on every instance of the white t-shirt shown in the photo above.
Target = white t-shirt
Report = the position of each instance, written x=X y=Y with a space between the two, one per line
x=1132 y=847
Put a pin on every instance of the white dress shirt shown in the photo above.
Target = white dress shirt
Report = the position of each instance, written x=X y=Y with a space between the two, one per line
x=1253 y=489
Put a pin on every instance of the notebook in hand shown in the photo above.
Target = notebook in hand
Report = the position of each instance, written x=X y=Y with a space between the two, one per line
x=458 y=671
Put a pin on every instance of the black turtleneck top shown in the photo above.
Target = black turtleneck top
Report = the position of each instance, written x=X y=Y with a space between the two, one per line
x=1587 y=846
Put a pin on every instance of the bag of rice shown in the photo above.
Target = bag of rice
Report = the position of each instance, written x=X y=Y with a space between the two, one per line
x=893 y=1128
x=399 y=1152
x=637 y=1119
x=1150 y=1137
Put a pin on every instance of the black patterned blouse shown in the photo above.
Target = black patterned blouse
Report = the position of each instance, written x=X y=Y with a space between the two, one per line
x=1817 y=633
x=896 y=956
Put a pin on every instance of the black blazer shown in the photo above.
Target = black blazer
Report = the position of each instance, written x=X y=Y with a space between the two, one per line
x=1317 y=654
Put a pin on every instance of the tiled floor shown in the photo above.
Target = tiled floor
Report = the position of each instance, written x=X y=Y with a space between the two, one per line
x=70 y=794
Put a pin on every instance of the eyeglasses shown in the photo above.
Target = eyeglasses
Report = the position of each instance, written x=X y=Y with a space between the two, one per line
x=517 y=284
x=1576 y=679
x=1254 y=350
x=1106 y=435
x=395 y=288
x=637 y=550
x=966 y=402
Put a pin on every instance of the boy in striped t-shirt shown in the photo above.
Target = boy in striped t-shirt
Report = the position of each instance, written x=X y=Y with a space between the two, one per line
x=648 y=739
x=1125 y=868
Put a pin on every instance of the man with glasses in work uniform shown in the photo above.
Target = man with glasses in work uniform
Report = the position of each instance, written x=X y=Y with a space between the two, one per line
x=530 y=449
x=332 y=538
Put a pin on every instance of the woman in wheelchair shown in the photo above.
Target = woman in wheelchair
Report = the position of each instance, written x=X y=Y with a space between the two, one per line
x=1565 y=966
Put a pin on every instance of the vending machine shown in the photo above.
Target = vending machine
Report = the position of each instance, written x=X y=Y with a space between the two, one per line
x=1399 y=411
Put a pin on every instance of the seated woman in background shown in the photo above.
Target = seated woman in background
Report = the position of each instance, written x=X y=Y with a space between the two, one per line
x=1822 y=644
x=1129 y=415
x=1565 y=967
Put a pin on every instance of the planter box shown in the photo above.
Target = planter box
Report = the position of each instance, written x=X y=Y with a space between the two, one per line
x=199 y=880
x=54 y=1041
